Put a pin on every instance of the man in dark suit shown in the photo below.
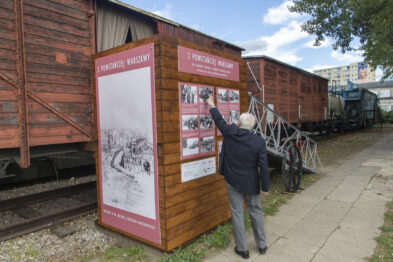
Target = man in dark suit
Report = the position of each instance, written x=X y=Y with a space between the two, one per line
x=240 y=155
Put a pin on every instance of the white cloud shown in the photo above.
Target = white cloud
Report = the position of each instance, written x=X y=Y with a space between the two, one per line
x=278 y=44
x=317 y=67
x=349 y=57
x=280 y=14
x=166 y=12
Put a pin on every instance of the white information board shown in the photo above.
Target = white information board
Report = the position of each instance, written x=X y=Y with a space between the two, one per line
x=197 y=169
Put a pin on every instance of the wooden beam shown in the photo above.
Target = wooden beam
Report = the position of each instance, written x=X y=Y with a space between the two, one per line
x=21 y=86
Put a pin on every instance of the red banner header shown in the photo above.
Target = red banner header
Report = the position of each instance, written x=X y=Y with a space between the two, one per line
x=201 y=63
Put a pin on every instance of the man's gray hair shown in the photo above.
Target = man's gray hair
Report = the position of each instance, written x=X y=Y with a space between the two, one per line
x=247 y=121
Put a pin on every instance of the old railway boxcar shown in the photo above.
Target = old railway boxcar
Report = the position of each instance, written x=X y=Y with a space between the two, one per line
x=45 y=86
x=295 y=94
x=45 y=83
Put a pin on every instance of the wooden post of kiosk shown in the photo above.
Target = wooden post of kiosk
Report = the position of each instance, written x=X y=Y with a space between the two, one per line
x=189 y=203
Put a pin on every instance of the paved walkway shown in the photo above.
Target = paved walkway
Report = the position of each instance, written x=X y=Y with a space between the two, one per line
x=336 y=219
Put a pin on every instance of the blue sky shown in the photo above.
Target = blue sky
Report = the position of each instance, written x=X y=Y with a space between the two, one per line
x=263 y=27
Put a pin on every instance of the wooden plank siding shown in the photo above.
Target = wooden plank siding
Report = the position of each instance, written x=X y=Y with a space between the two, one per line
x=289 y=89
x=57 y=47
x=9 y=129
x=191 y=208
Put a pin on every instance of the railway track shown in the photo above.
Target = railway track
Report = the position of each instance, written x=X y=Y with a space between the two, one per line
x=46 y=220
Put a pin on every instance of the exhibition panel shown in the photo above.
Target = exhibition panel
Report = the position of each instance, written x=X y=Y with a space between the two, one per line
x=158 y=153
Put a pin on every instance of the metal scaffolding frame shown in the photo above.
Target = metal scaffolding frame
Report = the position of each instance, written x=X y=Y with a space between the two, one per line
x=278 y=133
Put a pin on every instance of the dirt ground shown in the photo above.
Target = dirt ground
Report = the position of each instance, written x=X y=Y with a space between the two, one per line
x=334 y=150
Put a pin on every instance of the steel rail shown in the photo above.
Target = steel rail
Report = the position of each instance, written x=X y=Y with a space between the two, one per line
x=41 y=222
x=45 y=195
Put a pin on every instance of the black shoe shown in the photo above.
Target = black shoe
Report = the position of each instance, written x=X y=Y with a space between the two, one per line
x=243 y=254
x=262 y=250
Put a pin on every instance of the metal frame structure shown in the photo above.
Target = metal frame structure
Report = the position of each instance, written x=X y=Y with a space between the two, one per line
x=278 y=133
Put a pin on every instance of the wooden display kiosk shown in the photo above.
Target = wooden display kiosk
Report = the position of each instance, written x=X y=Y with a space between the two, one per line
x=157 y=161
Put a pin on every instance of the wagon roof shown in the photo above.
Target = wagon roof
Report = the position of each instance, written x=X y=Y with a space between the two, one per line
x=165 y=20
x=284 y=64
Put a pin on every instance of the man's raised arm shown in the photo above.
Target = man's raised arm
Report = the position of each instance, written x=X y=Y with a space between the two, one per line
x=217 y=117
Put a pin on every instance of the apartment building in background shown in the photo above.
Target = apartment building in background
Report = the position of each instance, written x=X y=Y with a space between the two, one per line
x=356 y=72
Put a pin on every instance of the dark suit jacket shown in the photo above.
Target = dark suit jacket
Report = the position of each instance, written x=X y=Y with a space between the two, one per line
x=240 y=155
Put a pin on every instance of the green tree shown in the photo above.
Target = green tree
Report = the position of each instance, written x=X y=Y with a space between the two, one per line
x=342 y=20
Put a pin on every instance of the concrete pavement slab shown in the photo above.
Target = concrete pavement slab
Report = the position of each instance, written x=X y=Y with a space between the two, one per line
x=312 y=232
x=372 y=201
x=343 y=170
x=345 y=193
x=286 y=250
x=351 y=187
x=347 y=244
x=380 y=186
x=329 y=210
x=280 y=224
x=363 y=219
x=363 y=174
x=379 y=162
x=271 y=237
x=222 y=257
x=306 y=198
x=296 y=209
x=318 y=190
x=331 y=180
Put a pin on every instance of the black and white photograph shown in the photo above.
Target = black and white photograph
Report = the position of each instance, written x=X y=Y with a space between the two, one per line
x=222 y=95
x=234 y=116
x=189 y=94
x=189 y=122
x=126 y=141
x=207 y=144
x=234 y=96
x=204 y=93
x=190 y=146
x=206 y=122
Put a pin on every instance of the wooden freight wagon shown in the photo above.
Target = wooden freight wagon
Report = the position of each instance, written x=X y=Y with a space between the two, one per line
x=45 y=49
x=295 y=94
x=45 y=94
x=158 y=149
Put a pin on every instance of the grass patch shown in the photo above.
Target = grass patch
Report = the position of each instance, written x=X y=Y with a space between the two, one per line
x=30 y=252
x=120 y=254
x=384 y=250
x=217 y=239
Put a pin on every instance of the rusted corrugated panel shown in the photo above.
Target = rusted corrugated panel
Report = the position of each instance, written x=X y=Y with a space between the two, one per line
x=58 y=48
